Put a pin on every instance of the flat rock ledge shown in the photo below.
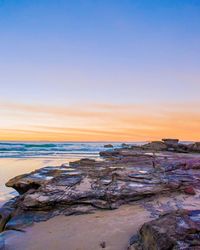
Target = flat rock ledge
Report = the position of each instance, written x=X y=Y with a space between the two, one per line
x=167 y=145
x=176 y=230
x=87 y=185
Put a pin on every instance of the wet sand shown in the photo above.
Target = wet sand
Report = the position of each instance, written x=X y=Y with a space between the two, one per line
x=82 y=232
x=87 y=232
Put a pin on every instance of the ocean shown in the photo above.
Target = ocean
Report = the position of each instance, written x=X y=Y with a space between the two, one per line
x=50 y=149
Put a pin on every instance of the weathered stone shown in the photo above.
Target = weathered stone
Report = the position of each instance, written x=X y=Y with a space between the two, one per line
x=109 y=153
x=175 y=230
x=108 y=146
x=22 y=220
x=6 y=212
x=171 y=145
x=125 y=145
x=35 y=179
x=195 y=147
x=127 y=175
x=82 y=162
x=155 y=146
x=171 y=142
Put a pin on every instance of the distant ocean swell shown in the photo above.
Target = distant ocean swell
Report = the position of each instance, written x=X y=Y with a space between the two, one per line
x=39 y=149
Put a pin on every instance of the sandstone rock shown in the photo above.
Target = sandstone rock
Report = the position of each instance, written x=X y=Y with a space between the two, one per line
x=175 y=230
x=125 y=145
x=195 y=147
x=28 y=182
x=136 y=148
x=171 y=142
x=155 y=146
x=87 y=185
x=6 y=212
x=109 y=153
x=21 y=220
x=171 y=145
x=83 y=162
x=108 y=146
x=35 y=179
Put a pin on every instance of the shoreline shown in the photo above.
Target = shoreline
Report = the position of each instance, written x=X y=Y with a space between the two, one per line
x=89 y=204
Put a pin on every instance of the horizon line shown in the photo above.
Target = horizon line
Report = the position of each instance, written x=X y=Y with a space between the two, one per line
x=83 y=141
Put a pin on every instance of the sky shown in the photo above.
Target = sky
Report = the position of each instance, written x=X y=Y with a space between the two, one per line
x=99 y=70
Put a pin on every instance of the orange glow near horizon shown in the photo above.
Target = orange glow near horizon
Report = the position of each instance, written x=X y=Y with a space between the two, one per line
x=99 y=122
x=99 y=70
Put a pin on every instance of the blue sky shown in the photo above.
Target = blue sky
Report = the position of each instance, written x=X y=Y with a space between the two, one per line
x=106 y=51
x=78 y=52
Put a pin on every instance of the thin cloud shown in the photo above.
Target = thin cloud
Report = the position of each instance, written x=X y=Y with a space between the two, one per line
x=99 y=122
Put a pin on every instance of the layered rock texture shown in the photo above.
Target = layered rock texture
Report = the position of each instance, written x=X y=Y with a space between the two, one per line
x=175 y=230
x=125 y=176
x=166 y=145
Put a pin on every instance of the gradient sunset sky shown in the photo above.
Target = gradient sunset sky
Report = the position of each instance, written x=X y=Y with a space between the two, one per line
x=99 y=70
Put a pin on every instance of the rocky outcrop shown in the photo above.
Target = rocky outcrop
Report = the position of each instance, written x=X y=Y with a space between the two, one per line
x=35 y=179
x=195 y=147
x=125 y=145
x=87 y=185
x=171 y=145
x=6 y=213
x=171 y=142
x=175 y=230
x=168 y=145
x=108 y=146
x=155 y=146
x=125 y=175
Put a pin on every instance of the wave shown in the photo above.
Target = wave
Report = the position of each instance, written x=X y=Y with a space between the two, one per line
x=40 y=145
x=39 y=149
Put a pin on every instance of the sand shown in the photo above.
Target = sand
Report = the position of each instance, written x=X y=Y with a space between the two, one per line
x=82 y=232
x=87 y=232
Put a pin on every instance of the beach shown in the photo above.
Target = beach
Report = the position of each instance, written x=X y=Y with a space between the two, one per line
x=88 y=232
x=100 y=125
x=82 y=232
x=87 y=204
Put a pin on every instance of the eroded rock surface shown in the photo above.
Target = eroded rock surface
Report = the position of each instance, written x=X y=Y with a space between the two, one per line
x=175 y=230
x=35 y=179
x=83 y=186
x=108 y=146
x=168 y=145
